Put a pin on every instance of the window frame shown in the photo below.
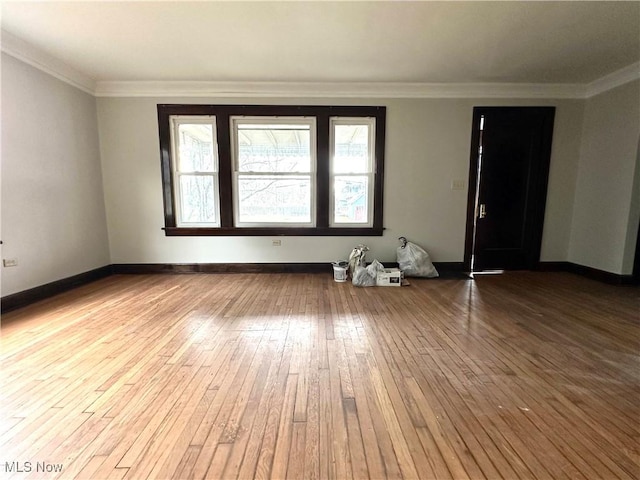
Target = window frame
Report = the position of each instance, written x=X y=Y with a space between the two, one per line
x=323 y=198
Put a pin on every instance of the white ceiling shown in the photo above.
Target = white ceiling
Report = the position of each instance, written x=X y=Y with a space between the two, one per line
x=421 y=42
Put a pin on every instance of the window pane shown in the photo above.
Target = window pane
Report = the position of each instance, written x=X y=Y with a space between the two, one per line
x=351 y=199
x=197 y=202
x=274 y=199
x=196 y=148
x=274 y=148
x=351 y=149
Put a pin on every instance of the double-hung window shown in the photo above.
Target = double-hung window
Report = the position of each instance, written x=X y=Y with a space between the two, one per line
x=352 y=171
x=272 y=169
x=195 y=170
x=274 y=166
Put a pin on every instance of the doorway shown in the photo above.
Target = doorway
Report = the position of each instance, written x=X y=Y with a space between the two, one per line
x=508 y=176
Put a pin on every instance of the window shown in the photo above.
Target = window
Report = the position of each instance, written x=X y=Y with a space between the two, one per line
x=352 y=170
x=195 y=170
x=272 y=170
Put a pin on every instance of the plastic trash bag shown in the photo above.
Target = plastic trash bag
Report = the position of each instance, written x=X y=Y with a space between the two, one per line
x=366 y=276
x=414 y=261
x=356 y=258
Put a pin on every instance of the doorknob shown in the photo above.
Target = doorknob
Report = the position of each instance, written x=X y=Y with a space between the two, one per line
x=483 y=211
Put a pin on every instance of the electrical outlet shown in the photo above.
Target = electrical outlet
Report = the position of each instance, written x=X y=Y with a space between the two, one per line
x=276 y=243
x=457 y=184
x=10 y=262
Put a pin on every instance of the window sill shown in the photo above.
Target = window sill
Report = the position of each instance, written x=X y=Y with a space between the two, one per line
x=256 y=232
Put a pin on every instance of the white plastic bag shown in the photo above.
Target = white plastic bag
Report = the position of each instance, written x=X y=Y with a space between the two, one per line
x=366 y=276
x=357 y=258
x=414 y=261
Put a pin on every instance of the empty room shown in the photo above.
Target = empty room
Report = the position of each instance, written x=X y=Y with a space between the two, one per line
x=320 y=240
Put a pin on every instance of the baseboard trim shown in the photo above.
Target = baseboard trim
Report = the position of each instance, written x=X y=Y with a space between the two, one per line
x=177 y=268
x=27 y=297
x=589 y=272
x=446 y=269
x=553 y=266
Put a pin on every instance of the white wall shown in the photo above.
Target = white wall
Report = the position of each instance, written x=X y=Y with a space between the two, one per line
x=53 y=215
x=427 y=146
x=605 y=218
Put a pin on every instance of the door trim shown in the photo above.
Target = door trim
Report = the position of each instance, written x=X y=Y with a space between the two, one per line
x=636 y=260
x=538 y=185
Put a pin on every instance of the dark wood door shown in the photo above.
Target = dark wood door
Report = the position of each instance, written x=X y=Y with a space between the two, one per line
x=510 y=167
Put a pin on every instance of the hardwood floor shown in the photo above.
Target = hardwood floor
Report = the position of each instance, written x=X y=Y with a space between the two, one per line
x=522 y=375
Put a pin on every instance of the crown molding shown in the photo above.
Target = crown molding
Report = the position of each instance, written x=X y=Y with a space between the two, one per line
x=27 y=53
x=34 y=56
x=613 y=80
x=336 y=89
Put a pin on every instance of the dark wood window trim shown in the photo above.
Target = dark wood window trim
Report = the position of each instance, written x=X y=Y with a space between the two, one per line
x=223 y=114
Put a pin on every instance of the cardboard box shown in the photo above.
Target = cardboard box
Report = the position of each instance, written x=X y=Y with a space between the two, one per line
x=390 y=277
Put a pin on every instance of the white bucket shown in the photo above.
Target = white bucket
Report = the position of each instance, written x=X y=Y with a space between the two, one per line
x=340 y=271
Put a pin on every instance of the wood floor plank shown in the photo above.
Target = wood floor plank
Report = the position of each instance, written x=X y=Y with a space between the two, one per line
x=448 y=454
x=264 y=462
x=181 y=457
x=270 y=376
x=354 y=436
x=218 y=462
x=327 y=464
x=295 y=462
x=282 y=449
x=71 y=448
x=224 y=405
x=312 y=432
x=244 y=452
x=339 y=435
x=89 y=470
x=395 y=427
x=170 y=431
x=244 y=461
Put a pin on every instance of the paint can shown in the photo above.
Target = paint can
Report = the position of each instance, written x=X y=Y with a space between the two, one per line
x=340 y=270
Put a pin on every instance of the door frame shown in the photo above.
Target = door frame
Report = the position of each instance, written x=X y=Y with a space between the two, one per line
x=636 y=260
x=538 y=184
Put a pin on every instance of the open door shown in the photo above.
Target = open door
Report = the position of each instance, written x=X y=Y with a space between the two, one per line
x=510 y=153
